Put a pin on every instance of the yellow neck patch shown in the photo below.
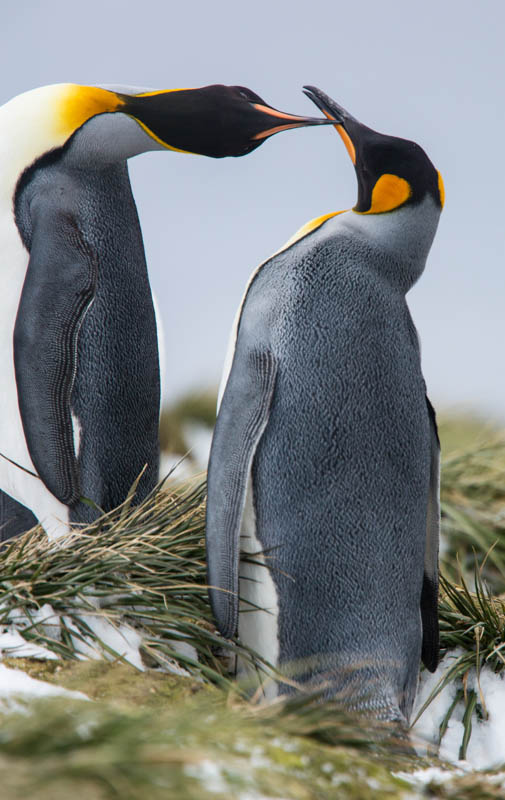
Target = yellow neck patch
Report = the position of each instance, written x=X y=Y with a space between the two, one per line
x=308 y=228
x=81 y=103
x=157 y=138
x=161 y=91
x=389 y=193
x=441 y=190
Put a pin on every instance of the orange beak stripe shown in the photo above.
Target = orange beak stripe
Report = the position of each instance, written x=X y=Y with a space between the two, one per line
x=270 y=131
x=274 y=113
x=296 y=122
x=345 y=138
x=348 y=143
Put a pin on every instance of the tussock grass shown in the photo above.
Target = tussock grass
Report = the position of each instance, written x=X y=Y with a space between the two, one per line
x=473 y=512
x=472 y=562
x=202 y=749
x=474 y=624
x=207 y=748
x=142 y=566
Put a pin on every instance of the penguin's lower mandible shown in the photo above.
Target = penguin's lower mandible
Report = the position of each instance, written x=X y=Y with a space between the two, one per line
x=323 y=483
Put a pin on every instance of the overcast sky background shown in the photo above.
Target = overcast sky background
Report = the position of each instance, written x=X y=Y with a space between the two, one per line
x=430 y=71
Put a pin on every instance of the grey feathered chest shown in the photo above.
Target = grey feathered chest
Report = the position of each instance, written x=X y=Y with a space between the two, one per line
x=349 y=380
x=325 y=418
x=115 y=387
x=341 y=474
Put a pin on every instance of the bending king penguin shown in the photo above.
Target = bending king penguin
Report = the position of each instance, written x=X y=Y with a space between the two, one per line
x=79 y=401
x=323 y=484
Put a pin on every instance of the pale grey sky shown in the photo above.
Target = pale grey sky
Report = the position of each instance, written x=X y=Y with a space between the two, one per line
x=430 y=71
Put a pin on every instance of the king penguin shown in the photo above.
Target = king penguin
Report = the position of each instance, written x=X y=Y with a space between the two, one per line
x=323 y=483
x=79 y=405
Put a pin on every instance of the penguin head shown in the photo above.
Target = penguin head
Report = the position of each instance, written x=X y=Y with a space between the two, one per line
x=215 y=121
x=99 y=125
x=392 y=172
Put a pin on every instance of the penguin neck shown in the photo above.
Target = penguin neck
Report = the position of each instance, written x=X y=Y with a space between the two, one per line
x=48 y=118
x=404 y=235
x=108 y=139
x=26 y=133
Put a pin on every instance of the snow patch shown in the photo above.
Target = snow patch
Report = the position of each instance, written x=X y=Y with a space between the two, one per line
x=116 y=639
x=427 y=726
x=486 y=748
x=183 y=648
x=435 y=775
x=208 y=773
x=122 y=640
x=15 y=684
x=12 y=645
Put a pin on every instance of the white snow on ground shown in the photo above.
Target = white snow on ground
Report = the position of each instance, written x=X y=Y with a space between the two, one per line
x=12 y=645
x=15 y=684
x=439 y=776
x=429 y=775
x=122 y=640
x=45 y=617
x=486 y=749
x=183 y=648
x=116 y=639
x=427 y=726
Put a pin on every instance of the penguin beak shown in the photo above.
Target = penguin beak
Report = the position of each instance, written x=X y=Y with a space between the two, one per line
x=215 y=121
x=283 y=122
x=336 y=114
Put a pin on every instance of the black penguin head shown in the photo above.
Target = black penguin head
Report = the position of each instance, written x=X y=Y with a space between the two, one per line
x=391 y=172
x=214 y=121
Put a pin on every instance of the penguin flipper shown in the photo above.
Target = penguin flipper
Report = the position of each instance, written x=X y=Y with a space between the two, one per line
x=59 y=287
x=242 y=418
x=429 y=594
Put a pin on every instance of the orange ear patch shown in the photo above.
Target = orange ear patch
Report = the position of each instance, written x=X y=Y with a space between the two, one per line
x=441 y=190
x=81 y=103
x=389 y=193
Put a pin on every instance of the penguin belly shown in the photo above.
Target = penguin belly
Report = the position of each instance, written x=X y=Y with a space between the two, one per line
x=340 y=482
x=259 y=604
x=114 y=402
x=347 y=556
x=116 y=393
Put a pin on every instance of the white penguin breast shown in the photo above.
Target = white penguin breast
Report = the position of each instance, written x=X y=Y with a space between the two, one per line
x=14 y=265
x=259 y=605
x=26 y=489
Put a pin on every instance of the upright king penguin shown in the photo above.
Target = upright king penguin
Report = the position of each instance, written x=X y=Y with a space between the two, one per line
x=79 y=402
x=323 y=482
